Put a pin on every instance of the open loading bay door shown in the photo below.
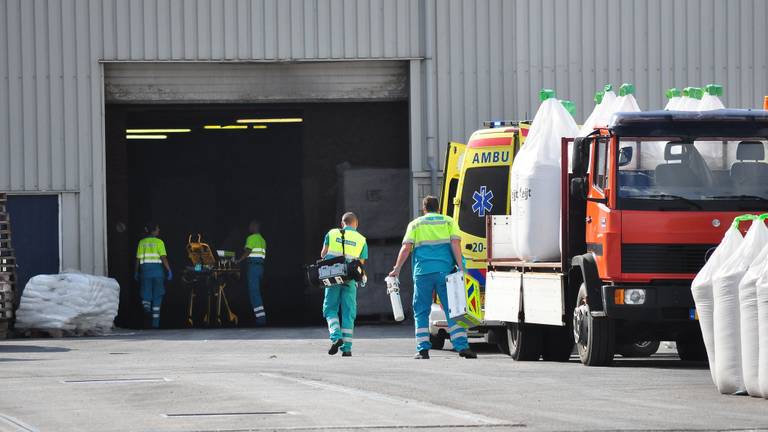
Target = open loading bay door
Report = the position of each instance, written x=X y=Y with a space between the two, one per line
x=193 y=168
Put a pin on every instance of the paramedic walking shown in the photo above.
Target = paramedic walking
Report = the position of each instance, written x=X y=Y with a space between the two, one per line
x=351 y=244
x=434 y=240
x=255 y=251
x=151 y=260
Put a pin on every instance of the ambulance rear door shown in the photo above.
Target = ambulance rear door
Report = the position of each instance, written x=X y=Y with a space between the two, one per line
x=454 y=157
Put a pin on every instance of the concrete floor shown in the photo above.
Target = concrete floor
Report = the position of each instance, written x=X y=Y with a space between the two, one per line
x=283 y=379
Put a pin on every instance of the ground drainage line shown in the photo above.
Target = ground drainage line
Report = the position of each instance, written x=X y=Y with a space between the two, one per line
x=117 y=381
x=18 y=425
x=466 y=415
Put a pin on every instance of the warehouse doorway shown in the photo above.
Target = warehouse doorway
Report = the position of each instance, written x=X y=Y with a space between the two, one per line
x=211 y=176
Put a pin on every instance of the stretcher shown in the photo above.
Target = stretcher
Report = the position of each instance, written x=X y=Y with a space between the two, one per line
x=207 y=279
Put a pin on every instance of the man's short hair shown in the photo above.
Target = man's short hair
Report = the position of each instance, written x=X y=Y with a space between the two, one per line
x=430 y=203
x=254 y=224
x=349 y=218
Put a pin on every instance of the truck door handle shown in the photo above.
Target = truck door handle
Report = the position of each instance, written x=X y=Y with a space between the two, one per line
x=588 y=219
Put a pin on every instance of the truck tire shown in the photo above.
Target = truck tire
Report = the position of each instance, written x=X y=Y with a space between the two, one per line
x=691 y=349
x=524 y=341
x=502 y=341
x=594 y=336
x=438 y=340
x=638 y=349
x=558 y=344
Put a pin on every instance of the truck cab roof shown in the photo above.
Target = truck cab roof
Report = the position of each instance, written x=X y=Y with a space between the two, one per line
x=727 y=123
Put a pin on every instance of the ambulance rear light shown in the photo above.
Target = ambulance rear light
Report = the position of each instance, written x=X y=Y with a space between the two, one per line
x=498 y=123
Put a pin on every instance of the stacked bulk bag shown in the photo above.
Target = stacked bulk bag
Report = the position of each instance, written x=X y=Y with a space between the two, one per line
x=727 y=322
x=691 y=98
x=535 y=182
x=761 y=291
x=703 y=295
x=75 y=303
x=731 y=295
x=710 y=99
x=604 y=99
x=675 y=97
x=626 y=101
x=756 y=255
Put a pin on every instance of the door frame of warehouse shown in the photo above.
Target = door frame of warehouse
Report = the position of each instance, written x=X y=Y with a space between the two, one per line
x=60 y=220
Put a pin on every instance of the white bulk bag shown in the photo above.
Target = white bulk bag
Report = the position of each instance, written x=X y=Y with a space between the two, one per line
x=762 y=329
x=712 y=151
x=535 y=182
x=596 y=118
x=675 y=98
x=703 y=294
x=727 y=321
x=748 y=306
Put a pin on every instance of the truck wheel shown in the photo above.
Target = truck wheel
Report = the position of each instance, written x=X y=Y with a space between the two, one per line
x=502 y=341
x=524 y=341
x=594 y=336
x=558 y=344
x=638 y=349
x=691 y=349
x=437 y=341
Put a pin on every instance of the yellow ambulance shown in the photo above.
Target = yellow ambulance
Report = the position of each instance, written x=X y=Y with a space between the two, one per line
x=476 y=184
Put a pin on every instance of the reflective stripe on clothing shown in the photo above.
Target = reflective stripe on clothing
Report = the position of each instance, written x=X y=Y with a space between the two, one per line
x=150 y=250
x=258 y=246
x=431 y=237
x=354 y=243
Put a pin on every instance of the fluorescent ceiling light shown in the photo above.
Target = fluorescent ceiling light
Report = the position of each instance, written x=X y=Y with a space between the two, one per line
x=272 y=120
x=154 y=137
x=219 y=127
x=139 y=131
x=259 y=126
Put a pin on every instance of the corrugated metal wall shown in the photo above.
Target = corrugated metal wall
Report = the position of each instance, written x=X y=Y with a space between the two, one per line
x=493 y=56
x=483 y=59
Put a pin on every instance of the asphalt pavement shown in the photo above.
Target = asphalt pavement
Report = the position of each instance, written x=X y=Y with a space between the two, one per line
x=283 y=379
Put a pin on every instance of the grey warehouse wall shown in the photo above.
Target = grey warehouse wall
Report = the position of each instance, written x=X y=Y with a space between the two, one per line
x=469 y=60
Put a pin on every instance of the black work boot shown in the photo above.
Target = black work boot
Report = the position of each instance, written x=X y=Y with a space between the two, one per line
x=335 y=346
x=422 y=355
x=467 y=353
x=346 y=353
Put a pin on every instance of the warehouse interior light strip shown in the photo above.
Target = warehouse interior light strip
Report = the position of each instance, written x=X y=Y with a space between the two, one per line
x=220 y=127
x=146 y=137
x=272 y=120
x=141 y=131
x=259 y=126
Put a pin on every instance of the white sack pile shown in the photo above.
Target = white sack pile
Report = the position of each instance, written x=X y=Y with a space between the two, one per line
x=78 y=304
x=731 y=296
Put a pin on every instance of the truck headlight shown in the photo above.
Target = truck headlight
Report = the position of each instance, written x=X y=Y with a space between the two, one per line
x=630 y=296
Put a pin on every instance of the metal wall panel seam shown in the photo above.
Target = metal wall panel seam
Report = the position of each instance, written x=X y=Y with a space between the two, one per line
x=43 y=97
x=98 y=143
x=16 y=118
x=5 y=102
x=57 y=131
x=28 y=97
x=84 y=140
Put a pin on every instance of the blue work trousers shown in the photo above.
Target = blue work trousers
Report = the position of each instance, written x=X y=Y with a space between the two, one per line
x=255 y=273
x=344 y=295
x=152 y=292
x=424 y=286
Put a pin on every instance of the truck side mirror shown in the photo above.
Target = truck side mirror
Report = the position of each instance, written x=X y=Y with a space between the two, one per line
x=579 y=187
x=580 y=155
x=625 y=156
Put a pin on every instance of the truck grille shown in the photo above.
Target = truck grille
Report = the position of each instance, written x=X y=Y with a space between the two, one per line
x=663 y=258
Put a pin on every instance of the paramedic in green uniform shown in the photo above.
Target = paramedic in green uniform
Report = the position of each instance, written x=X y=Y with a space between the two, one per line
x=255 y=252
x=436 y=244
x=344 y=295
x=151 y=260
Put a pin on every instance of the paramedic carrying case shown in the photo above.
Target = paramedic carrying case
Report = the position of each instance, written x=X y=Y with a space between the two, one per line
x=335 y=271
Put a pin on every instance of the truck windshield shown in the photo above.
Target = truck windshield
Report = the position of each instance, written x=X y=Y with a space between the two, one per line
x=484 y=193
x=712 y=174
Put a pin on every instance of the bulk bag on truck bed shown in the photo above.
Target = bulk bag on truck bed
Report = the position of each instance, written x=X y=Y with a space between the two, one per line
x=748 y=307
x=727 y=322
x=702 y=291
x=535 y=182
x=604 y=100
